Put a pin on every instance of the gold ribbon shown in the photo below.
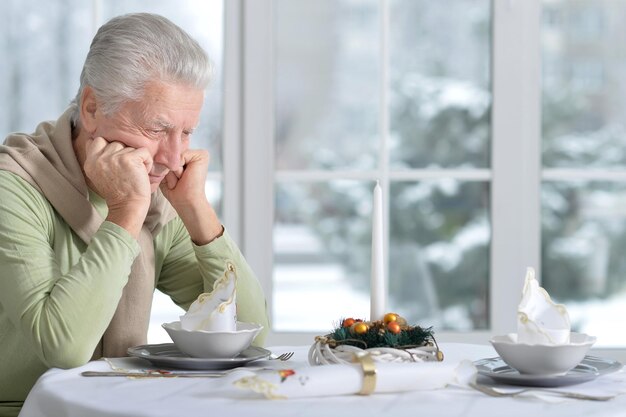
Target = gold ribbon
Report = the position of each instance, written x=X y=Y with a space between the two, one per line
x=369 y=372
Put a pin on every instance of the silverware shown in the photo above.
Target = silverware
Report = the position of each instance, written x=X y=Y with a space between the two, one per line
x=493 y=392
x=282 y=357
x=178 y=374
x=155 y=374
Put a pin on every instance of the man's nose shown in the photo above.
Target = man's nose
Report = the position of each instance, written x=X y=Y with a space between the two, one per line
x=170 y=151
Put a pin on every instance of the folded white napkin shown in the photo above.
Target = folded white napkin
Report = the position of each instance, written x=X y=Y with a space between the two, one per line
x=539 y=319
x=214 y=311
x=331 y=380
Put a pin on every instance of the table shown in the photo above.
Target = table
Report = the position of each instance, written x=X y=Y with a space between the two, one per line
x=65 y=393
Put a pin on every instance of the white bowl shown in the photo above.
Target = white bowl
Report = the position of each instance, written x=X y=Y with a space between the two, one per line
x=212 y=344
x=542 y=359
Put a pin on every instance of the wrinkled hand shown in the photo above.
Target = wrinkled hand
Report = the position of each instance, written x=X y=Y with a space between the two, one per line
x=185 y=186
x=119 y=174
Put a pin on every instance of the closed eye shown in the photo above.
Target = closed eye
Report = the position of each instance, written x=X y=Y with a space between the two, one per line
x=155 y=133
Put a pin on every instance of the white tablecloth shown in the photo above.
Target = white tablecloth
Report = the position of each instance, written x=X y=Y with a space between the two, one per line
x=63 y=393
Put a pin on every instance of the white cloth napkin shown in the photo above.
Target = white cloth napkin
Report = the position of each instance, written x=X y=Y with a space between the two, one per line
x=214 y=311
x=539 y=319
x=331 y=380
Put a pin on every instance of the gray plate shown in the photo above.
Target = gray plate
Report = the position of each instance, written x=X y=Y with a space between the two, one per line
x=590 y=368
x=167 y=355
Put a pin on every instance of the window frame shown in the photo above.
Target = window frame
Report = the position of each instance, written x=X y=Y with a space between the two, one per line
x=515 y=175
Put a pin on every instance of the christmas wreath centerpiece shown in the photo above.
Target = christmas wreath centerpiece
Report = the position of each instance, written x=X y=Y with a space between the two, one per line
x=388 y=340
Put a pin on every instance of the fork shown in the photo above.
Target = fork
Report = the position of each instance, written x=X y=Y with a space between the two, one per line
x=282 y=357
x=495 y=393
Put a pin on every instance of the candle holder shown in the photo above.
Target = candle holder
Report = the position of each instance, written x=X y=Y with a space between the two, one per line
x=387 y=340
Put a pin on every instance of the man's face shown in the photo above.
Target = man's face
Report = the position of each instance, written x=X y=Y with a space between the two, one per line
x=161 y=122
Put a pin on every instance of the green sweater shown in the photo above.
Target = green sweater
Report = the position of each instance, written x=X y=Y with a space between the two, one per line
x=57 y=295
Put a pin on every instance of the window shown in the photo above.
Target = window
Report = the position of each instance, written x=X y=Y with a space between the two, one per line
x=397 y=92
x=535 y=179
x=583 y=155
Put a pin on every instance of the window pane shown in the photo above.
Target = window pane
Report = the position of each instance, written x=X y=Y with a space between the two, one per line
x=213 y=191
x=583 y=128
x=584 y=235
x=43 y=45
x=327 y=78
x=439 y=253
x=322 y=246
x=328 y=92
x=440 y=83
x=584 y=100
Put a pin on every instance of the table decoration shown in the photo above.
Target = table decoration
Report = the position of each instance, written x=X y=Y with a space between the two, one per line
x=351 y=379
x=378 y=284
x=209 y=329
x=215 y=310
x=540 y=321
x=544 y=343
x=388 y=340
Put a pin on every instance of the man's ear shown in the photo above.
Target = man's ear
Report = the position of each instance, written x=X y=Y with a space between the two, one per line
x=88 y=107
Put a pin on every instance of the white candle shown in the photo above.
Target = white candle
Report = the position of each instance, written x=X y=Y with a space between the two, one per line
x=378 y=289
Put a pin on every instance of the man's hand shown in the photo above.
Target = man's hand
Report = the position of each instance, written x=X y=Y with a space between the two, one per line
x=184 y=188
x=119 y=174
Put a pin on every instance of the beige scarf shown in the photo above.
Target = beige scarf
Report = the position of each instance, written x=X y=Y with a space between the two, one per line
x=47 y=161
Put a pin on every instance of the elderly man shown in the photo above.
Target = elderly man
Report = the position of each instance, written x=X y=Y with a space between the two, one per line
x=107 y=203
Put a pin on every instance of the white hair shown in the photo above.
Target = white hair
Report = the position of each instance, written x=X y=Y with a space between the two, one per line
x=130 y=50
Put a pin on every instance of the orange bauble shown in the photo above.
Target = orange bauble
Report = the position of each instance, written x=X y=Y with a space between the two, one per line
x=360 y=328
x=390 y=317
x=393 y=327
x=347 y=322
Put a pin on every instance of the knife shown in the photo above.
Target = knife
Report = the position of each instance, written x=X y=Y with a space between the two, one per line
x=155 y=374
x=177 y=374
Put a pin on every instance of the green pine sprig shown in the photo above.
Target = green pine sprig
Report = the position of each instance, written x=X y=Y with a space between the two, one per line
x=412 y=336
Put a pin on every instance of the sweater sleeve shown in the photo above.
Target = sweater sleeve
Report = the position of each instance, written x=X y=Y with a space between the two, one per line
x=188 y=270
x=63 y=314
